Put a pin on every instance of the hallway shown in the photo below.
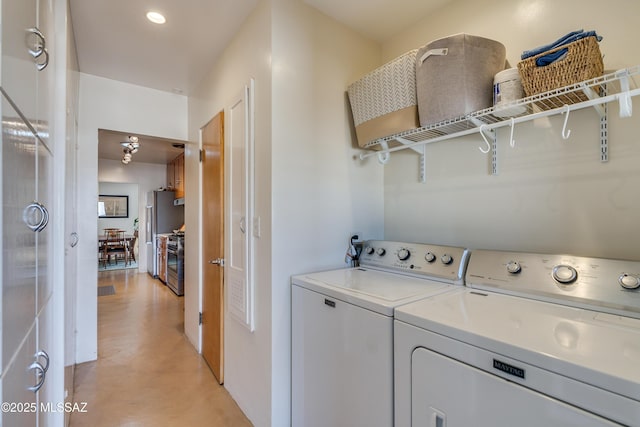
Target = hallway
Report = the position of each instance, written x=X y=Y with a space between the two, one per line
x=147 y=373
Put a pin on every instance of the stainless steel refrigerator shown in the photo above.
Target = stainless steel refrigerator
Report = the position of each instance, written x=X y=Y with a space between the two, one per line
x=162 y=217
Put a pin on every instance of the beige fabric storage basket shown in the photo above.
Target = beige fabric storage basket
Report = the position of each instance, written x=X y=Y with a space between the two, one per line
x=454 y=76
x=384 y=101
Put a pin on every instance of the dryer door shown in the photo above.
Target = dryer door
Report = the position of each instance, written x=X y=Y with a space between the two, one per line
x=448 y=393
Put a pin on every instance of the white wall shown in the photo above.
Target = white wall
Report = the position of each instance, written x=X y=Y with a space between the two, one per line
x=109 y=104
x=310 y=193
x=120 y=189
x=320 y=194
x=550 y=195
x=247 y=356
x=145 y=177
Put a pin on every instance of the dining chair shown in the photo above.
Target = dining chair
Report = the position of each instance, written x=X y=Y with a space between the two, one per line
x=116 y=246
x=102 y=253
x=131 y=246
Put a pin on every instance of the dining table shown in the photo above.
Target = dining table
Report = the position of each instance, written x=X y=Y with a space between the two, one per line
x=128 y=238
x=103 y=238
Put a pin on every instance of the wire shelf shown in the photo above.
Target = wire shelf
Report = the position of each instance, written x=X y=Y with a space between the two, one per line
x=580 y=95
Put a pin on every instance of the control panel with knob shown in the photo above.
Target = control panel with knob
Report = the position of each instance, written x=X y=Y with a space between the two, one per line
x=598 y=284
x=513 y=267
x=564 y=274
x=416 y=259
x=404 y=254
x=629 y=281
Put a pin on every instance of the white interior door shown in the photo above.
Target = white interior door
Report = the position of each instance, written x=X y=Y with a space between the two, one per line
x=242 y=226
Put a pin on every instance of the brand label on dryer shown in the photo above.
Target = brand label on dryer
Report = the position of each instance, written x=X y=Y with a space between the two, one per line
x=509 y=369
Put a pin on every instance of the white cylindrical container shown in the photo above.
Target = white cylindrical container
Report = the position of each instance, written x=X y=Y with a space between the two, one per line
x=507 y=88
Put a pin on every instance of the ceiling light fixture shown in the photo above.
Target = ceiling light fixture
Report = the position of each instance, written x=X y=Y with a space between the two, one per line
x=156 y=17
x=131 y=146
x=133 y=138
x=129 y=149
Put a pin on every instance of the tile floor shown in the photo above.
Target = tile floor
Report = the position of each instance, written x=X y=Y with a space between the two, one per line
x=147 y=373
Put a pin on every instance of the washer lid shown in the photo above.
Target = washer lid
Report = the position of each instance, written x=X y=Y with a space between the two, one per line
x=375 y=290
x=596 y=348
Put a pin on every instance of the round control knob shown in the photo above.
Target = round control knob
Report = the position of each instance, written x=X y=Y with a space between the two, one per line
x=513 y=267
x=564 y=274
x=404 y=254
x=369 y=250
x=381 y=251
x=629 y=282
x=446 y=259
x=429 y=257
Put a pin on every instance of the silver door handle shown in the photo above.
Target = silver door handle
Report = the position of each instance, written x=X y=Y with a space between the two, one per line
x=29 y=216
x=42 y=65
x=75 y=240
x=45 y=356
x=40 y=44
x=217 y=261
x=40 y=375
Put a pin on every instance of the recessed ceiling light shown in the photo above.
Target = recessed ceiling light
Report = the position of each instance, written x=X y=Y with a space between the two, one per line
x=156 y=17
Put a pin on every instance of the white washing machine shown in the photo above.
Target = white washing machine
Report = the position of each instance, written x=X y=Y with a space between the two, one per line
x=532 y=340
x=342 y=330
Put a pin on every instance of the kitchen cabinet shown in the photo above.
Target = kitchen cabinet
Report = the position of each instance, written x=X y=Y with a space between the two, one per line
x=171 y=172
x=175 y=175
x=27 y=194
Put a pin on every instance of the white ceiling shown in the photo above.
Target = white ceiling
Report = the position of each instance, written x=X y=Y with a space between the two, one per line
x=377 y=19
x=115 y=40
x=152 y=149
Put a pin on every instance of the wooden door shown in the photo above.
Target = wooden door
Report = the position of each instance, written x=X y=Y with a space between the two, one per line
x=213 y=244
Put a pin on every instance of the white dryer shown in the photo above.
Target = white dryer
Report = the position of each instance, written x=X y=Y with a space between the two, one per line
x=342 y=330
x=532 y=340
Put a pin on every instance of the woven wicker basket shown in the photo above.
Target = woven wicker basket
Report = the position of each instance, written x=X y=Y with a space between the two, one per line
x=582 y=62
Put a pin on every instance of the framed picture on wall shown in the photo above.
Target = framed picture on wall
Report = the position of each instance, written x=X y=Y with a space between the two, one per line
x=113 y=206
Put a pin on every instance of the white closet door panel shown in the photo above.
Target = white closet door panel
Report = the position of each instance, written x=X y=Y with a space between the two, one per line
x=44 y=192
x=15 y=383
x=18 y=241
x=46 y=76
x=19 y=73
x=239 y=250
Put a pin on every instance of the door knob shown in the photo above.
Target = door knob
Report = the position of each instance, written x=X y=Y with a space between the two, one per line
x=217 y=261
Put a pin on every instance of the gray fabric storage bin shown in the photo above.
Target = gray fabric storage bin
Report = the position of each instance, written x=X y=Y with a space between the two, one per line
x=454 y=76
